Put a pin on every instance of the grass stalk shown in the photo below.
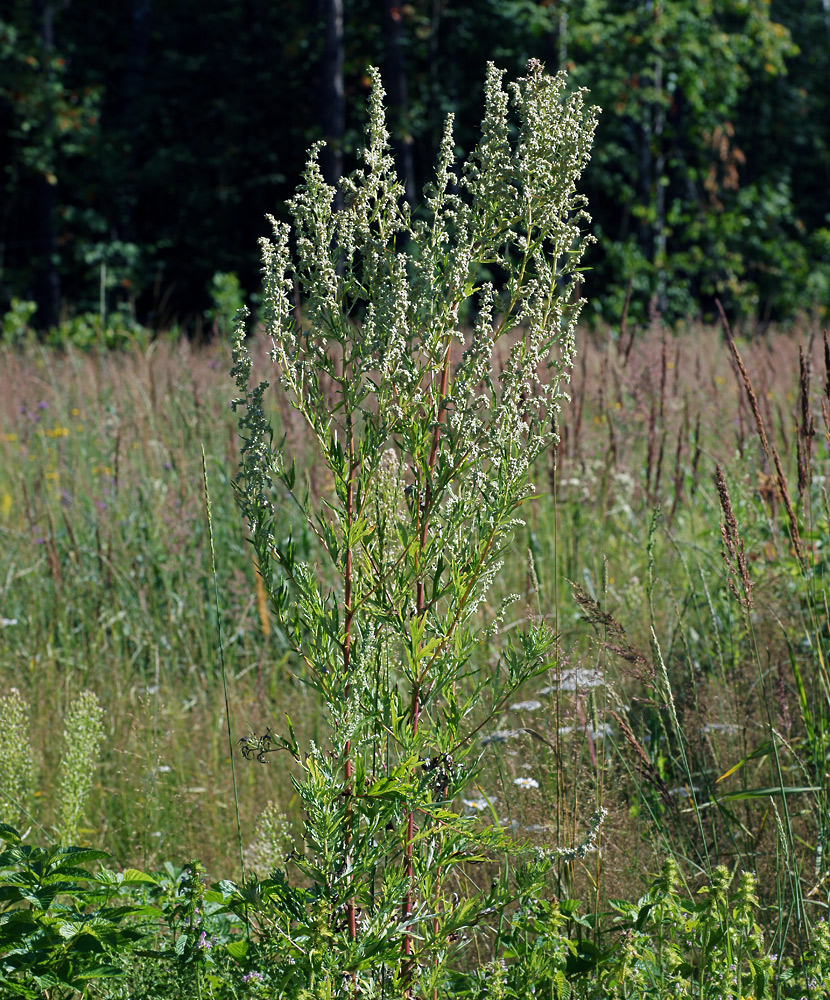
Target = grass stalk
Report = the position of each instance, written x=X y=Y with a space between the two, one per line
x=221 y=646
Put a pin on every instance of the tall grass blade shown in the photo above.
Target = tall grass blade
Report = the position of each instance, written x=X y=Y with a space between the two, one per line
x=762 y=751
x=222 y=660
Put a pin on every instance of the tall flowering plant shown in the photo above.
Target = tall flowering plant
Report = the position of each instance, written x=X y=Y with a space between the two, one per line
x=428 y=433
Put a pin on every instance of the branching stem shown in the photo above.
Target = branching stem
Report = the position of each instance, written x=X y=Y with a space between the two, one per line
x=420 y=605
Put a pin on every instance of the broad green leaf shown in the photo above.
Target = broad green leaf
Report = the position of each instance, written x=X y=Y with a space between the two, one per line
x=72 y=856
x=642 y=916
x=238 y=949
x=99 y=972
x=133 y=876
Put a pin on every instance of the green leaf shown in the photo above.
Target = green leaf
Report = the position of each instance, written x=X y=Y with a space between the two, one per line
x=642 y=916
x=227 y=888
x=99 y=972
x=237 y=949
x=387 y=787
x=132 y=876
x=587 y=957
x=115 y=913
x=72 y=856
x=64 y=873
x=760 y=793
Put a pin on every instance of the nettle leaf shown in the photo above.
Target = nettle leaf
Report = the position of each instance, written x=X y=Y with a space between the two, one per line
x=133 y=876
x=11 y=893
x=98 y=972
x=41 y=900
x=61 y=873
x=237 y=949
x=642 y=916
x=77 y=855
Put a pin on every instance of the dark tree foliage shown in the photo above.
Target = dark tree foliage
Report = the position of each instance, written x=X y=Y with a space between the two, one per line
x=145 y=142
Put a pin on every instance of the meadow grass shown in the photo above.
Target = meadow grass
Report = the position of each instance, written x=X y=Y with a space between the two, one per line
x=669 y=673
x=107 y=586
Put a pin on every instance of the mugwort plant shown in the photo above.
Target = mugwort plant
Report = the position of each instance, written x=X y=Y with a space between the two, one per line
x=428 y=435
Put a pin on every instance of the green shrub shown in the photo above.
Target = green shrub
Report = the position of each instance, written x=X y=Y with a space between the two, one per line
x=228 y=299
x=88 y=331
x=60 y=927
x=16 y=322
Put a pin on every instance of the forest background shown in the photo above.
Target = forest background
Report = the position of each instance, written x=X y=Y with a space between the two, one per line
x=143 y=143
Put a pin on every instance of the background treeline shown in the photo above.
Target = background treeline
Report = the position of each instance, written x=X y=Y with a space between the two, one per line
x=143 y=143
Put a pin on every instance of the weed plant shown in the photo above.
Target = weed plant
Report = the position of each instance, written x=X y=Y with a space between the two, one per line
x=83 y=733
x=67 y=931
x=16 y=764
x=405 y=538
x=428 y=454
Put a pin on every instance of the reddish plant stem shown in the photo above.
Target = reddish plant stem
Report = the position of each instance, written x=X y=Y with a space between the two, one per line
x=437 y=922
x=347 y=654
x=420 y=605
x=769 y=446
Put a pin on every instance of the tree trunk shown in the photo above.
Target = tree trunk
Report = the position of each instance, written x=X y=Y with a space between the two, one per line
x=137 y=60
x=47 y=286
x=125 y=228
x=331 y=104
x=659 y=123
x=395 y=81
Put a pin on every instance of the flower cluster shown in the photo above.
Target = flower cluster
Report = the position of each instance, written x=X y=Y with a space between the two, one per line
x=426 y=433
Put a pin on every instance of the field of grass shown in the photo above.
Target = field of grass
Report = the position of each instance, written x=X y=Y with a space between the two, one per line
x=693 y=701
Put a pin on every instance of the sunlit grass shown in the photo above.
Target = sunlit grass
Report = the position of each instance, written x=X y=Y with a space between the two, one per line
x=105 y=584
